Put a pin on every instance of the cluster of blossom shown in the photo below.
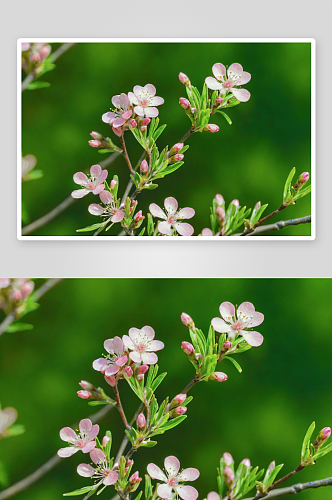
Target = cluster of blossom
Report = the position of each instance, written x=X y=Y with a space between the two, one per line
x=33 y=55
x=7 y=417
x=13 y=293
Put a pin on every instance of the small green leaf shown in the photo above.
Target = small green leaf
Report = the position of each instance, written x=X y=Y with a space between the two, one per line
x=305 y=452
x=34 y=175
x=81 y=491
x=158 y=132
x=227 y=118
x=15 y=430
x=97 y=403
x=19 y=327
x=323 y=451
x=91 y=228
x=235 y=363
x=38 y=85
x=104 y=151
x=172 y=423
x=287 y=187
x=149 y=444
x=150 y=186
x=150 y=225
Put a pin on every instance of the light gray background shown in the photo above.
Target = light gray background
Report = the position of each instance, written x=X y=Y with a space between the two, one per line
x=160 y=18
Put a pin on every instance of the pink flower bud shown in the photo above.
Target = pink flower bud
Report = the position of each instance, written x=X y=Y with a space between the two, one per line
x=133 y=123
x=140 y=377
x=304 y=177
x=111 y=380
x=176 y=158
x=113 y=183
x=211 y=127
x=16 y=295
x=246 y=462
x=128 y=371
x=270 y=468
x=178 y=400
x=193 y=110
x=139 y=216
x=95 y=144
x=326 y=433
x=84 y=394
x=145 y=121
x=227 y=458
x=226 y=346
x=184 y=79
x=219 y=199
x=129 y=462
x=256 y=207
x=143 y=369
x=118 y=131
x=218 y=376
x=228 y=475
x=96 y=135
x=184 y=103
x=86 y=385
x=177 y=412
x=188 y=348
x=134 y=479
x=198 y=355
x=105 y=440
x=144 y=167
x=218 y=101
x=176 y=148
x=220 y=213
x=236 y=203
x=187 y=321
x=143 y=129
x=141 y=421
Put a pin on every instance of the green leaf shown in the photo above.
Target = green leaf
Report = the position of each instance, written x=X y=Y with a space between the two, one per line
x=130 y=437
x=148 y=487
x=91 y=228
x=302 y=192
x=150 y=186
x=287 y=187
x=34 y=174
x=235 y=363
x=227 y=118
x=305 y=452
x=158 y=132
x=324 y=450
x=38 y=85
x=172 y=423
x=19 y=327
x=158 y=381
x=104 y=151
x=4 y=479
x=81 y=491
x=171 y=168
x=97 y=403
x=150 y=225
x=142 y=232
x=273 y=474
x=15 y=430
x=149 y=444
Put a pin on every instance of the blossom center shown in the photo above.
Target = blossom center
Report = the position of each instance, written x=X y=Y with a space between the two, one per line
x=171 y=219
x=140 y=347
x=237 y=326
x=228 y=84
x=91 y=185
x=172 y=481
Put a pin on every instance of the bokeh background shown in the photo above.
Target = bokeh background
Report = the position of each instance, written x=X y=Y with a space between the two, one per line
x=262 y=413
x=249 y=160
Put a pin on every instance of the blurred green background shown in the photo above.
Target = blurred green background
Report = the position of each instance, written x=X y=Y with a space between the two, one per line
x=262 y=413
x=249 y=160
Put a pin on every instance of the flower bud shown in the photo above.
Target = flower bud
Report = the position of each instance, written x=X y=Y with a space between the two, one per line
x=188 y=348
x=220 y=213
x=228 y=475
x=180 y=410
x=113 y=183
x=176 y=158
x=176 y=148
x=187 y=321
x=236 y=203
x=86 y=385
x=304 y=177
x=226 y=346
x=111 y=380
x=178 y=400
x=246 y=462
x=218 y=376
x=143 y=129
x=133 y=123
x=145 y=121
x=256 y=207
x=118 y=131
x=218 y=101
x=95 y=144
x=84 y=394
x=96 y=135
x=270 y=468
x=139 y=216
x=219 y=199
x=198 y=356
x=128 y=371
x=211 y=127
x=141 y=421
x=129 y=462
x=144 y=167
x=140 y=377
x=134 y=479
x=184 y=79
x=322 y=436
x=227 y=458
x=143 y=369
x=105 y=440
x=184 y=103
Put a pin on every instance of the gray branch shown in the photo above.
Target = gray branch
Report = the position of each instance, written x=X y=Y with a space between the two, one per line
x=296 y=488
x=279 y=225
x=47 y=466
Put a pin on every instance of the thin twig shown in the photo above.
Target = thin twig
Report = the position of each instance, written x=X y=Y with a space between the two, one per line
x=125 y=154
x=11 y=317
x=260 y=495
x=120 y=407
x=296 y=488
x=30 y=228
x=126 y=439
x=281 y=224
x=47 y=466
x=259 y=223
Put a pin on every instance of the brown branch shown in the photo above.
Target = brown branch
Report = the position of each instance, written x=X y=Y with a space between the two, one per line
x=260 y=222
x=120 y=407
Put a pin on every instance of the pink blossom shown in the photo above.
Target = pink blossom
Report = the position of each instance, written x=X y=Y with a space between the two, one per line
x=145 y=122
x=178 y=411
x=188 y=348
x=118 y=131
x=110 y=210
x=184 y=79
x=187 y=320
x=219 y=199
x=234 y=325
x=236 y=203
x=84 y=394
x=128 y=371
x=176 y=148
x=7 y=418
x=145 y=100
x=21 y=288
x=179 y=399
x=226 y=345
x=143 y=369
x=173 y=217
x=25 y=46
x=246 y=462
x=220 y=213
x=96 y=135
x=176 y=158
x=326 y=433
x=84 y=441
x=218 y=376
x=229 y=475
x=213 y=496
x=115 y=358
x=118 y=117
x=144 y=167
x=227 y=458
x=171 y=482
x=235 y=77
x=94 y=183
x=184 y=103
x=103 y=472
x=39 y=51
x=95 y=144
x=105 y=440
x=134 y=478
x=142 y=345
x=211 y=127
x=111 y=380
x=113 y=183
x=141 y=421
x=133 y=123
x=207 y=232
x=139 y=216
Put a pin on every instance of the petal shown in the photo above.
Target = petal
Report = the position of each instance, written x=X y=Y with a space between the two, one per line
x=132 y=98
x=155 y=345
x=164 y=491
x=118 y=345
x=85 y=425
x=118 y=122
x=134 y=333
x=207 y=232
x=172 y=465
x=187 y=492
x=89 y=446
x=128 y=342
x=80 y=178
x=227 y=310
x=189 y=474
x=185 y=213
x=108 y=346
x=85 y=470
x=95 y=171
x=254 y=339
x=99 y=364
x=80 y=193
x=136 y=357
x=111 y=370
x=151 y=89
x=108 y=117
x=67 y=452
x=151 y=112
x=212 y=83
x=236 y=69
x=97 y=455
x=111 y=478
x=148 y=331
x=127 y=114
x=241 y=95
x=164 y=228
x=94 y=431
x=99 y=189
x=219 y=71
x=245 y=78
x=220 y=326
x=148 y=358
x=124 y=101
x=157 y=101
x=156 y=473
x=8 y=417
x=103 y=176
x=156 y=211
x=213 y=496
x=106 y=197
x=118 y=216
x=257 y=319
x=171 y=205
x=116 y=101
x=122 y=361
x=139 y=110
x=184 y=229
x=95 y=209
x=68 y=435
x=137 y=90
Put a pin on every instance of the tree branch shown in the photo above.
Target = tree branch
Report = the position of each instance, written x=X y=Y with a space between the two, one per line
x=47 y=466
x=296 y=488
x=120 y=407
x=281 y=224
x=260 y=222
